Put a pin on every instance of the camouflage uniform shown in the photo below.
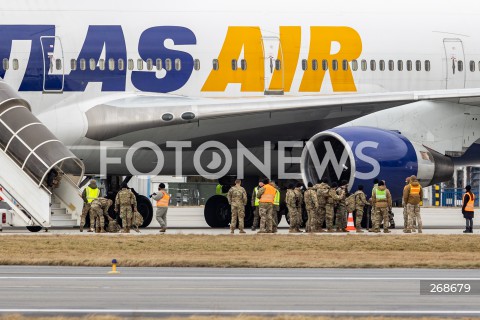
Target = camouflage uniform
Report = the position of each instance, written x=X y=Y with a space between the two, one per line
x=124 y=202
x=237 y=198
x=322 y=196
x=291 y=202
x=113 y=226
x=256 y=214
x=99 y=208
x=299 y=195
x=341 y=214
x=311 y=204
x=360 y=203
x=382 y=206
x=330 y=207
x=412 y=201
x=373 y=211
x=86 y=207
x=265 y=212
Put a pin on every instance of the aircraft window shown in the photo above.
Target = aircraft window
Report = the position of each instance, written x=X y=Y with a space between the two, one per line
x=400 y=65
x=215 y=64
x=373 y=65
x=234 y=64
x=391 y=65
x=168 y=64
x=381 y=65
x=73 y=64
x=427 y=65
x=83 y=64
x=131 y=64
x=409 y=65
x=354 y=65
x=418 y=65
x=278 y=65
x=167 y=117
x=364 y=65
x=111 y=64
x=324 y=65
x=58 y=64
x=345 y=65
x=178 y=64
x=92 y=64
x=196 y=64
x=5 y=64
x=149 y=64
x=139 y=64
x=304 y=64
x=472 y=66
x=460 y=65
x=101 y=64
x=158 y=64
x=15 y=64
x=314 y=64
x=335 y=65
x=121 y=64
x=243 y=64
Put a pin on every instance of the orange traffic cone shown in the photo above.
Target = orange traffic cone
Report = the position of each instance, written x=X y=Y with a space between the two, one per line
x=350 y=224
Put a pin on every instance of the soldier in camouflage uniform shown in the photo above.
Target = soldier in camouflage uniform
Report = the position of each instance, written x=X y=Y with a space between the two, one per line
x=237 y=198
x=99 y=208
x=311 y=204
x=373 y=212
x=360 y=203
x=322 y=196
x=266 y=194
x=291 y=202
x=276 y=207
x=255 y=206
x=341 y=213
x=126 y=203
x=90 y=193
x=330 y=206
x=382 y=200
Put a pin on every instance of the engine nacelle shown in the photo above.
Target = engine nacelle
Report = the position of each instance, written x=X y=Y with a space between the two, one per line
x=361 y=154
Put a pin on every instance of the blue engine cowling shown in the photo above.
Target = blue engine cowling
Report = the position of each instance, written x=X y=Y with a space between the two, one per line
x=361 y=154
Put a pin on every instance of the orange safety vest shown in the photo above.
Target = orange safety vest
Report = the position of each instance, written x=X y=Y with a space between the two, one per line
x=471 y=204
x=269 y=195
x=164 y=201
x=415 y=190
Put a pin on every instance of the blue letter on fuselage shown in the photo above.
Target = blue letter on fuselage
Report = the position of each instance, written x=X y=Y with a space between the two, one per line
x=152 y=46
x=98 y=37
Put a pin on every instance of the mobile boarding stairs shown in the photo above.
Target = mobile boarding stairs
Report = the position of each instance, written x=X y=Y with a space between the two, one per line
x=30 y=155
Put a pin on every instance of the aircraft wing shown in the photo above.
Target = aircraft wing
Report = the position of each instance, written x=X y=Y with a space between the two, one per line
x=180 y=118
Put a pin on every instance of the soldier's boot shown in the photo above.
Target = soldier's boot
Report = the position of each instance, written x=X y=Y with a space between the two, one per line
x=320 y=230
x=163 y=229
x=297 y=230
x=242 y=231
x=371 y=230
x=330 y=230
x=91 y=230
x=102 y=230
x=408 y=231
x=136 y=229
x=359 y=230
x=291 y=230
x=232 y=230
x=345 y=230
x=81 y=228
x=253 y=228
x=376 y=230
x=338 y=230
x=420 y=230
x=386 y=231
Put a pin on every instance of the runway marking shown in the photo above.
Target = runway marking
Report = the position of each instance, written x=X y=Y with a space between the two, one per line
x=215 y=311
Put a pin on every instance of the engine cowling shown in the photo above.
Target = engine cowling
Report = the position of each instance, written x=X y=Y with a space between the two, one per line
x=361 y=154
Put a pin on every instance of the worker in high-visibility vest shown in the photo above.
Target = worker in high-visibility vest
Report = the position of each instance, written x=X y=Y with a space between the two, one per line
x=90 y=193
x=468 y=209
x=255 y=206
x=412 y=196
x=163 y=199
x=276 y=207
x=266 y=194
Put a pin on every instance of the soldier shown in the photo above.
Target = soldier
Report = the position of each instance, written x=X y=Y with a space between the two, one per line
x=311 y=204
x=125 y=203
x=276 y=206
x=360 y=203
x=99 y=208
x=322 y=196
x=163 y=200
x=90 y=193
x=237 y=198
x=255 y=206
x=341 y=214
x=266 y=194
x=373 y=214
x=382 y=201
x=412 y=195
x=405 y=212
x=330 y=206
x=291 y=202
x=299 y=194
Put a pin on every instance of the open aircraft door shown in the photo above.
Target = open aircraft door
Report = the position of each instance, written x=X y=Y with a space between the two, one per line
x=53 y=64
x=455 y=63
x=273 y=66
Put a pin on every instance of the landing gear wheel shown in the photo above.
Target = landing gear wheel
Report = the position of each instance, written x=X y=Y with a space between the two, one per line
x=144 y=206
x=34 y=228
x=217 y=212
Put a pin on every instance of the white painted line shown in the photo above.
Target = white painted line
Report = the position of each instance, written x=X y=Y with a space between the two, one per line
x=216 y=311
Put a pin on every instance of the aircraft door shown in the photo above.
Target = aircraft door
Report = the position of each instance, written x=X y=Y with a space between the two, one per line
x=273 y=66
x=53 y=64
x=455 y=63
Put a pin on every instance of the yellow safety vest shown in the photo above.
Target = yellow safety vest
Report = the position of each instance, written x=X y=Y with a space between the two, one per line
x=257 y=202
x=276 y=200
x=471 y=204
x=269 y=195
x=164 y=201
x=92 y=194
